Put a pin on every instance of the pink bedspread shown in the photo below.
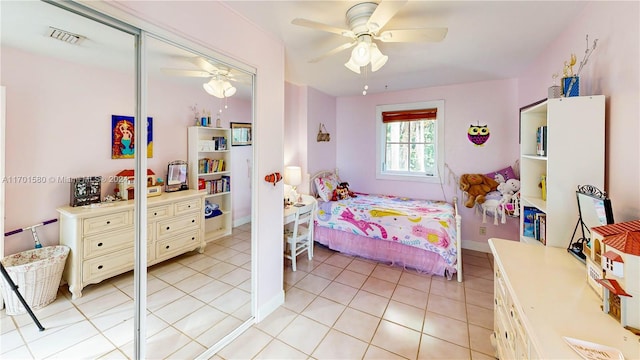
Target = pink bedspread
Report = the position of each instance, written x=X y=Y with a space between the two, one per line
x=418 y=224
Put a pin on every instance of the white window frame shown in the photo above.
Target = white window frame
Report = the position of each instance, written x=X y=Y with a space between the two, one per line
x=381 y=174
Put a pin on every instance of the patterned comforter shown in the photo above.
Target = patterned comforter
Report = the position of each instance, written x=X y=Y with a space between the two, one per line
x=423 y=224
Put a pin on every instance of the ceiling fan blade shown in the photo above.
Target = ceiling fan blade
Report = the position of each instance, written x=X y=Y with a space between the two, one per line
x=413 y=35
x=205 y=65
x=324 y=27
x=334 y=51
x=192 y=73
x=383 y=13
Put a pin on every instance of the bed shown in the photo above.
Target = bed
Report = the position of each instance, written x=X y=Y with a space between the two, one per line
x=420 y=234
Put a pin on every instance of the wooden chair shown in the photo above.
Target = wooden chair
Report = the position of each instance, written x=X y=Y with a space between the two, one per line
x=298 y=235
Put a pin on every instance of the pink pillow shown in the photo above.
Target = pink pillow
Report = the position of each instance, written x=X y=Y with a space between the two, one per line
x=503 y=175
x=325 y=186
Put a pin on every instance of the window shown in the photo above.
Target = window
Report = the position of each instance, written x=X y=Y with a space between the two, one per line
x=410 y=144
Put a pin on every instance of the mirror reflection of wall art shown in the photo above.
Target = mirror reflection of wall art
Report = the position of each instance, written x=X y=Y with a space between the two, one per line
x=123 y=137
x=240 y=134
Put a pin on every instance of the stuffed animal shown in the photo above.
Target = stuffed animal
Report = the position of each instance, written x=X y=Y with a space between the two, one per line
x=508 y=189
x=342 y=192
x=476 y=186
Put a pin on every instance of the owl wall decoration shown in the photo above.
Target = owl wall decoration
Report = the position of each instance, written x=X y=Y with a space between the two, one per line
x=478 y=134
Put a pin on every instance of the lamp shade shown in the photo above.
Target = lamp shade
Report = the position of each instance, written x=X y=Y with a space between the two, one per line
x=351 y=65
x=214 y=88
x=293 y=175
x=377 y=58
x=361 y=54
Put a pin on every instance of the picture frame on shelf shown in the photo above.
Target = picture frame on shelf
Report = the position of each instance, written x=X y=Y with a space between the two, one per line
x=241 y=134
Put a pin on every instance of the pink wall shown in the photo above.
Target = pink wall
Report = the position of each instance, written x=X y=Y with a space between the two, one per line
x=612 y=70
x=306 y=108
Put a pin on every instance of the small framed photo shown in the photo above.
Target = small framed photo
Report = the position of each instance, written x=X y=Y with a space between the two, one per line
x=240 y=134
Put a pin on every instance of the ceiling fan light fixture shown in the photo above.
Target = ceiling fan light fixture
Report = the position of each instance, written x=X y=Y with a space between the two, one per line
x=377 y=58
x=228 y=89
x=214 y=88
x=361 y=54
x=351 y=65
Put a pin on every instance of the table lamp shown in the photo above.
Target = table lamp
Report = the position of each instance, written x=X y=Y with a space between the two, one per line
x=293 y=177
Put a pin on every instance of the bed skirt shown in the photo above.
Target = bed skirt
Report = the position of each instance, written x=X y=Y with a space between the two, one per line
x=381 y=250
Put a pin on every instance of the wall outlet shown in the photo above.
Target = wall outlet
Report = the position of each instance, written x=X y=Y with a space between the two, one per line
x=483 y=230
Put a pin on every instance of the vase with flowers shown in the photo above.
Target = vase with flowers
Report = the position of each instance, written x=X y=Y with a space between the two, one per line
x=571 y=81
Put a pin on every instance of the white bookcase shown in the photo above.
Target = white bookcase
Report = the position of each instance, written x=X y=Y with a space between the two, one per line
x=203 y=145
x=575 y=156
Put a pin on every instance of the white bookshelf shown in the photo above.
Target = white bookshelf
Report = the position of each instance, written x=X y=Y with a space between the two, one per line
x=201 y=146
x=575 y=156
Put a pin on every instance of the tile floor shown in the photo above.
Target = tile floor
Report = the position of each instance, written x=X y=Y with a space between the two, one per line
x=337 y=307
x=343 y=307
x=193 y=301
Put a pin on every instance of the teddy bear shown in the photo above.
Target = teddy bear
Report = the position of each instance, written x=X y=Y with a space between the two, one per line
x=476 y=186
x=507 y=189
x=342 y=192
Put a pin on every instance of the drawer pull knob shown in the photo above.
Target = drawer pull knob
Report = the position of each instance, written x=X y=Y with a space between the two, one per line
x=506 y=335
x=108 y=222
x=168 y=227
x=99 y=244
x=167 y=247
x=194 y=220
x=99 y=267
x=193 y=238
x=155 y=214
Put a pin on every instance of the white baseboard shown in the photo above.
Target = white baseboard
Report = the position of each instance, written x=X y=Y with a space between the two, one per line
x=476 y=245
x=270 y=306
x=242 y=221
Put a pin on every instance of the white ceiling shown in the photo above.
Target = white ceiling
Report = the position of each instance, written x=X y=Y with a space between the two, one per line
x=487 y=40
x=25 y=25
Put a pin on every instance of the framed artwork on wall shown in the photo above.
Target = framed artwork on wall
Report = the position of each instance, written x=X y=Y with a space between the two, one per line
x=123 y=137
x=240 y=134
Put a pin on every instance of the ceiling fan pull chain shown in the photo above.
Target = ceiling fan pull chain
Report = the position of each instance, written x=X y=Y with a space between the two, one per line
x=366 y=76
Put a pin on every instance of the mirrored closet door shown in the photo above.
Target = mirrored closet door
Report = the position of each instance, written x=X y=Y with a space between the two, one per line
x=63 y=96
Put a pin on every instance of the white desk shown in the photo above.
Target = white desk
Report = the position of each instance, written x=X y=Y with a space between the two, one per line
x=290 y=211
x=542 y=295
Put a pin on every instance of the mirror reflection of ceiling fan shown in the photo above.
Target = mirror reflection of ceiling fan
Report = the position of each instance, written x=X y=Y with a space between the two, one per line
x=219 y=84
x=365 y=21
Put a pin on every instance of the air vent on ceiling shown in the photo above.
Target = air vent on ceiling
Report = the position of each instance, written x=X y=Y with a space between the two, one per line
x=64 y=35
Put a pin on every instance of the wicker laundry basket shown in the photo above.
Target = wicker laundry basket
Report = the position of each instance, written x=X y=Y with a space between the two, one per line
x=37 y=273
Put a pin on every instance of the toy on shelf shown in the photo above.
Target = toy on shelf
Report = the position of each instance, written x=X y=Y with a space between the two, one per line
x=616 y=247
x=126 y=184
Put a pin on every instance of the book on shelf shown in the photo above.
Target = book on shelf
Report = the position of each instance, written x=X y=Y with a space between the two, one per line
x=542 y=228
x=216 y=186
x=529 y=221
x=541 y=141
x=207 y=166
x=543 y=187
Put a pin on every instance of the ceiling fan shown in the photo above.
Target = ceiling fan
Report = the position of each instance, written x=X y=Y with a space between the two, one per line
x=365 y=21
x=219 y=83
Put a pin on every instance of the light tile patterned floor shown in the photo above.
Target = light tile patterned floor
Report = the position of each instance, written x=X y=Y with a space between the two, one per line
x=337 y=307
x=343 y=307
x=193 y=300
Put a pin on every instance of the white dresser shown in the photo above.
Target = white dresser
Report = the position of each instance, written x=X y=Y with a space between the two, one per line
x=101 y=239
x=541 y=295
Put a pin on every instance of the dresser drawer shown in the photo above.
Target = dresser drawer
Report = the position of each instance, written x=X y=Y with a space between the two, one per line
x=101 y=244
x=178 y=244
x=100 y=268
x=170 y=227
x=100 y=224
x=159 y=212
x=186 y=206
